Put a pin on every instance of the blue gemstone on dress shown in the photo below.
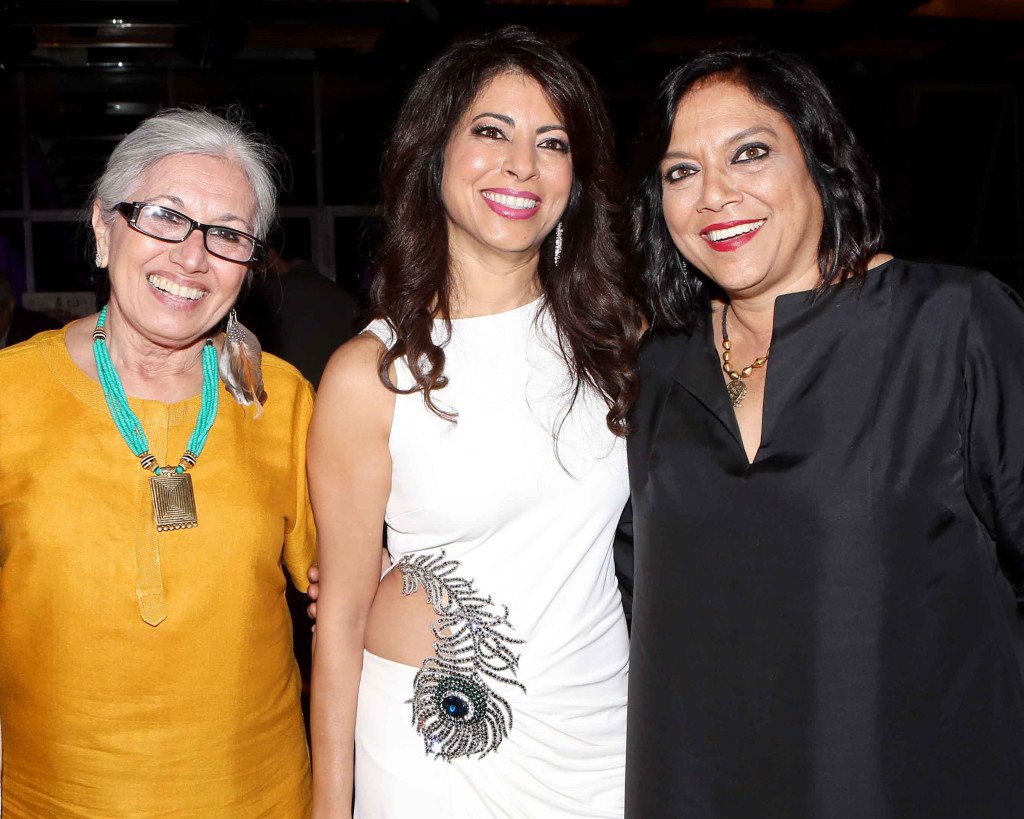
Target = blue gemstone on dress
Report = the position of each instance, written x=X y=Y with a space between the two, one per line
x=455 y=706
x=460 y=699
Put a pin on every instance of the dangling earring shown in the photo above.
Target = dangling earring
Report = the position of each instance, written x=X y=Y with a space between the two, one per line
x=558 y=243
x=240 y=364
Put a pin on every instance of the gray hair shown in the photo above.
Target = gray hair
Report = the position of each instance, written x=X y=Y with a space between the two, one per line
x=192 y=131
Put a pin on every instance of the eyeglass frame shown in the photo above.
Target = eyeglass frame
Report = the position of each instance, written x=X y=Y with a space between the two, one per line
x=131 y=210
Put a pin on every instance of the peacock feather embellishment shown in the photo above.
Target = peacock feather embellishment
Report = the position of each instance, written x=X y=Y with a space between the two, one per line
x=455 y=708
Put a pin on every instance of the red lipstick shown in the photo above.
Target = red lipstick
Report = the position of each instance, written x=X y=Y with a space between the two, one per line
x=732 y=242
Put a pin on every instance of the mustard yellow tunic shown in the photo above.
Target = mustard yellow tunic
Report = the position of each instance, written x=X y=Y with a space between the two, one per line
x=146 y=674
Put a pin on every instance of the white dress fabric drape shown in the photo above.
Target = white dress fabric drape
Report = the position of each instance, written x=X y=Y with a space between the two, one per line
x=524 y=490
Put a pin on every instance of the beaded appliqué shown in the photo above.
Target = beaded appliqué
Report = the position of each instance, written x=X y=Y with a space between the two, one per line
x=454 y=708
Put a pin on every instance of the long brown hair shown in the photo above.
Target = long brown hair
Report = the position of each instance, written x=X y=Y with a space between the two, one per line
x=595 y=314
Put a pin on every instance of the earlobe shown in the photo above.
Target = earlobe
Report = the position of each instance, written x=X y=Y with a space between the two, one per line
x=100 y=229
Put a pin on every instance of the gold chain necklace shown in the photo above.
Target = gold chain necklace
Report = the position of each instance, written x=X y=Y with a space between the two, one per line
x=736 y=388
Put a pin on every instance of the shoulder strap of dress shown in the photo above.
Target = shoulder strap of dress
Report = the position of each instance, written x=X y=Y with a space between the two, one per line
x=386 y=333
x=383 y=330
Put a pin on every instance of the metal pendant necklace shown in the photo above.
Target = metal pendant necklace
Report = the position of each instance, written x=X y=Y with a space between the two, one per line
x=736 y=388
x=174 y=502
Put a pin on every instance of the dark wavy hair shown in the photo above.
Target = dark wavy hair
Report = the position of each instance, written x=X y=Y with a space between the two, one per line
x=674 y=293
x=596 y=315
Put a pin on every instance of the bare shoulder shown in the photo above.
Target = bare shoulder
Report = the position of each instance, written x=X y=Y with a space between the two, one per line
x=351 y=391
x=879 y=258
x=354 y=366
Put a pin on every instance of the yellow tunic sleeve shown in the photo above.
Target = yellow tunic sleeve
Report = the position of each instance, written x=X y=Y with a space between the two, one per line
x=300 y=535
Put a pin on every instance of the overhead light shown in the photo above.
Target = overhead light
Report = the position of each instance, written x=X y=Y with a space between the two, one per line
x=126 y=108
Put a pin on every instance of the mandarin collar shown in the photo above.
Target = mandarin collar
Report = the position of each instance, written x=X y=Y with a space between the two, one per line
x=807 y=325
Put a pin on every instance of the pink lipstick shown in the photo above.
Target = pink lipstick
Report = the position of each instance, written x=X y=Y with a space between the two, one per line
x=511 y=204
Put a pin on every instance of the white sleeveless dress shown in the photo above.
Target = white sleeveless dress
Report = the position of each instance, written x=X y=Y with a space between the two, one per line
x=530 y=522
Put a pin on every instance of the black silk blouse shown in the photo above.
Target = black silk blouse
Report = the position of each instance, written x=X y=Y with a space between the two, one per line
x=835 y=630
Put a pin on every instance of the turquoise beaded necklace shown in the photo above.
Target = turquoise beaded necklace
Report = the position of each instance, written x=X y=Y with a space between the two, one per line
x=174 y=504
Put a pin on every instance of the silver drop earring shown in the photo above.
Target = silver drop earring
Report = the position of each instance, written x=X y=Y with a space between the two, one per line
x=558 y=243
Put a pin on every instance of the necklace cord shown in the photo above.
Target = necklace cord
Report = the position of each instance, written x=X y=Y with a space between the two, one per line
x=727 y=353
x=128 y=423
x=736 y=389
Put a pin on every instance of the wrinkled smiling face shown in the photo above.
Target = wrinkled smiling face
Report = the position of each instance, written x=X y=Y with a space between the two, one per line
x=507 y=171
x=174 y=294
x=738 y=198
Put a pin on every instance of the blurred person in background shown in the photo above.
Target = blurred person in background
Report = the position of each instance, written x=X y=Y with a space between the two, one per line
x=298 y=314
x=16 y=323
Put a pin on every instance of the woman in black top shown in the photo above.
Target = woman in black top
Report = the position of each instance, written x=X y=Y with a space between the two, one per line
x=826 y=481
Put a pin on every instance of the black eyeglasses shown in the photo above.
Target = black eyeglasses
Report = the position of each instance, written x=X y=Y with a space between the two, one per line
x=170 y=226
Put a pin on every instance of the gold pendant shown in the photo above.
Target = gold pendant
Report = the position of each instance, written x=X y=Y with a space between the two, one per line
x=174 y=502
x=737 y=391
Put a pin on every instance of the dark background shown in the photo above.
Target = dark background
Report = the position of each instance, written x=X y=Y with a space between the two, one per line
x=933 y=89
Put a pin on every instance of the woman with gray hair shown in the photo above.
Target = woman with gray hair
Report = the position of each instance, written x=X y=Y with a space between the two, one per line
x=146 y=511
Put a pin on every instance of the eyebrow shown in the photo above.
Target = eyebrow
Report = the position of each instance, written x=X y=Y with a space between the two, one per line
x=225 y=217
x=506 y=119
x=757 y=129
x=512 y=123
x=749 y=132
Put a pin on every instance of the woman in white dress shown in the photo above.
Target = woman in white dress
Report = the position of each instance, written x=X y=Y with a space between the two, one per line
x=480 y=419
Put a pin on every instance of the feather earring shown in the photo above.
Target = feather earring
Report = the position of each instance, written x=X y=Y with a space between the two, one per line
x=240 y=364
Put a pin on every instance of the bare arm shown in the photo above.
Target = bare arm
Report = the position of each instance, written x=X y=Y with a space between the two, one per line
x=349 y=466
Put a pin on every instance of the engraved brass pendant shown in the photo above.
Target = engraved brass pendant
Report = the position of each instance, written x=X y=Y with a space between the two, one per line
x=174 y=503
x=737 y=391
